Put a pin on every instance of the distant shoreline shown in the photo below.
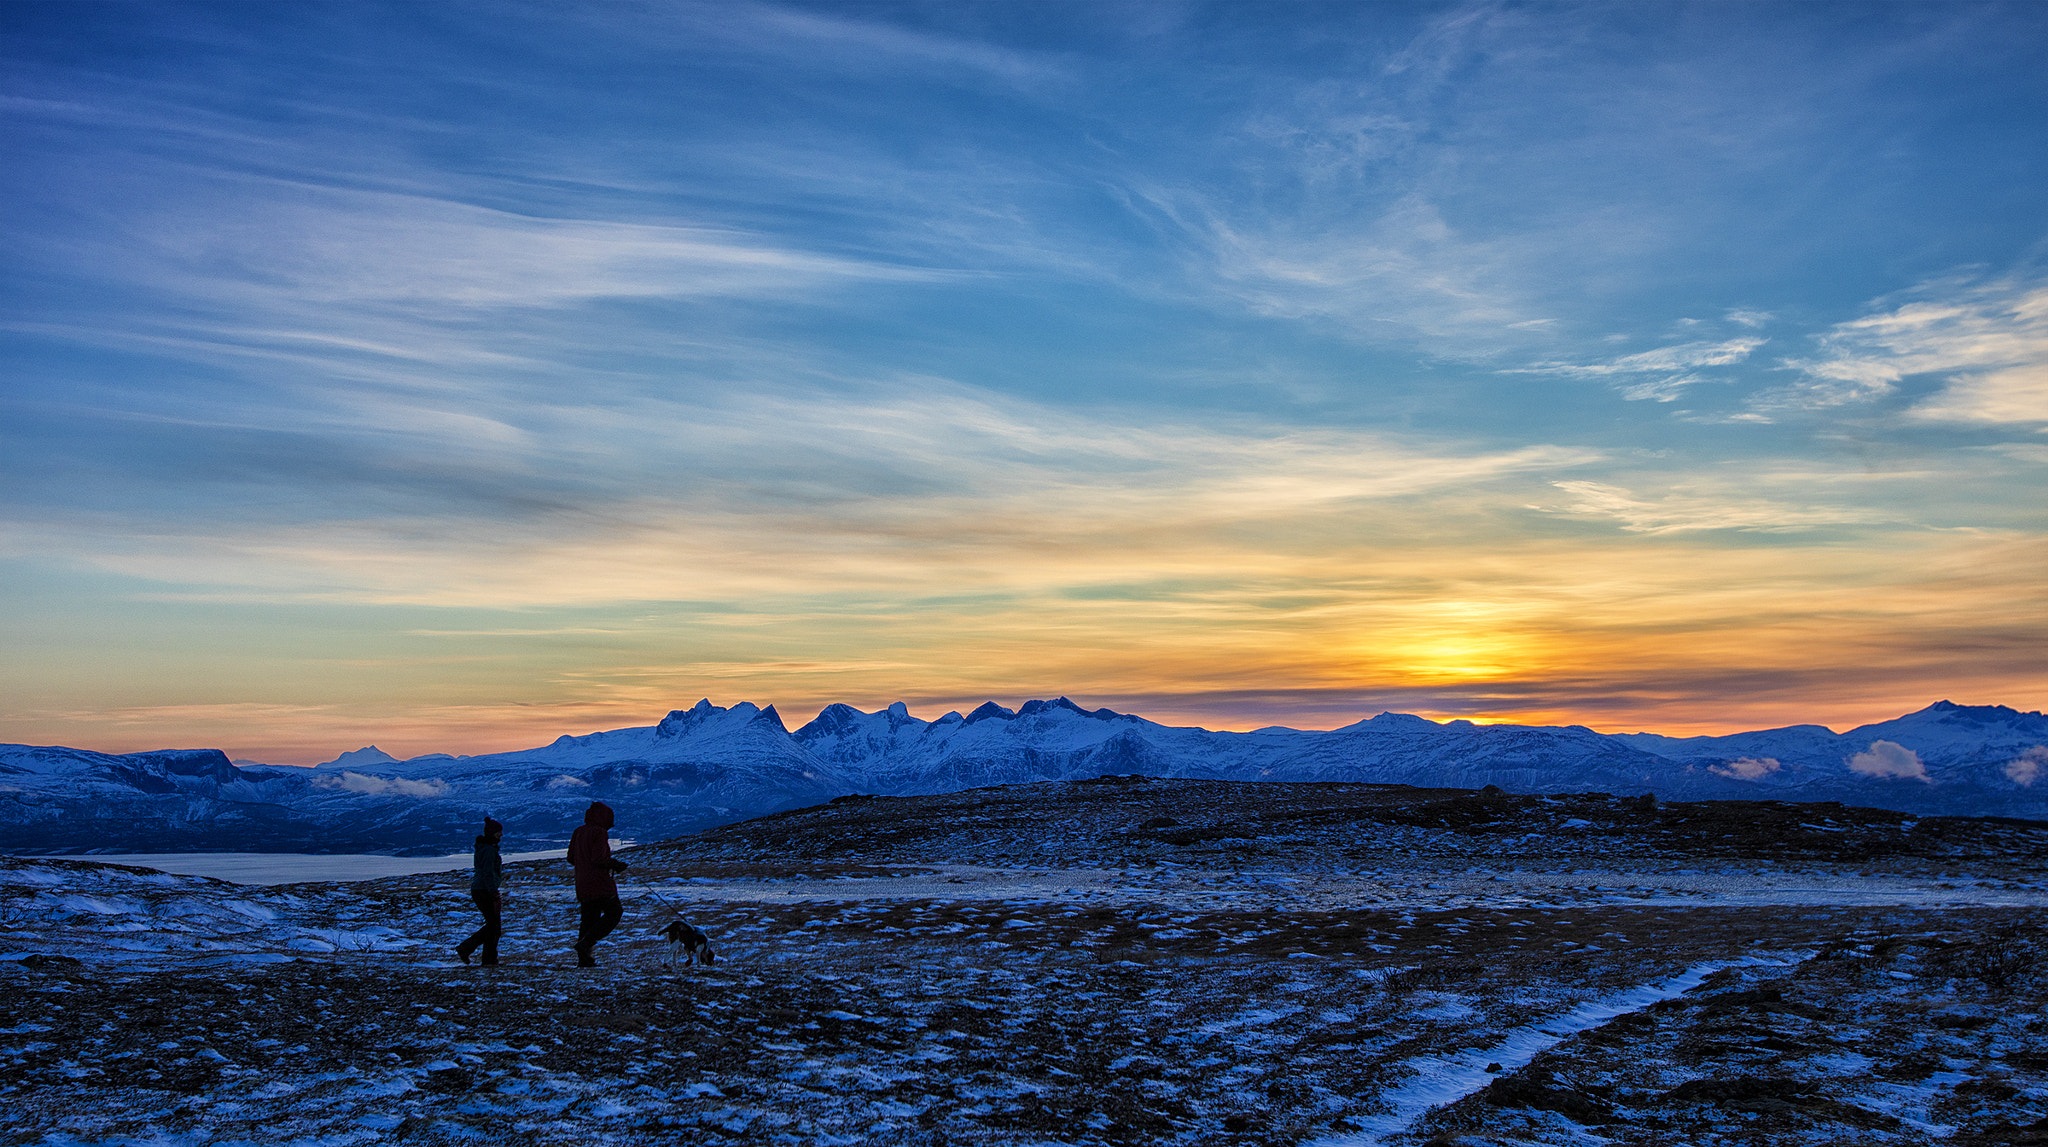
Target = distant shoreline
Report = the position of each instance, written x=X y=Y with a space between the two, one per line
x=286 y=867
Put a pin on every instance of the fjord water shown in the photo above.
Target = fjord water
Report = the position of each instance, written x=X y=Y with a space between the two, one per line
x=297 y=867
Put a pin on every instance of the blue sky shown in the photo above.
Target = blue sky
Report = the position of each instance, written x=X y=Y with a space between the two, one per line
x=453 y=376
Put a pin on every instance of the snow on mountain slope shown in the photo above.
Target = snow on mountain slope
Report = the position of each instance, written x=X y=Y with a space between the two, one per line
x=1958 y=742
x=697 y=767
x=893 y=752
x=1966 y=752
x=709 y=764
x=1803 y=744
x=725 y=762
x=1987 y=759
x=1058 y=740
x=52 y=797
x=1399 y=748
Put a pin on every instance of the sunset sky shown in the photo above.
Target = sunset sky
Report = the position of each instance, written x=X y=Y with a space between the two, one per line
x=452 y=376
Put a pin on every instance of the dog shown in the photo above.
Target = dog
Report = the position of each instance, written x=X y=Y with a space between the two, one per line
x=682 y=940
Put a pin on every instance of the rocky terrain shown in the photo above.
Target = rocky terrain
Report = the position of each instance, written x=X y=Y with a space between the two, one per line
x=1114 y=961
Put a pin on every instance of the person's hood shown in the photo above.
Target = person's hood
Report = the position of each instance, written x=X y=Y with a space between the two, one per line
x=599 y=814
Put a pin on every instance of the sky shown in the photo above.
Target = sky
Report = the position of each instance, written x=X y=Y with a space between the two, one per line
x=454 y=376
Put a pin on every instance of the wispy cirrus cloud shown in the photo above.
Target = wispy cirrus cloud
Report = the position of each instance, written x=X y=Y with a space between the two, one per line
x=869 y=45
x=1689 y=507
x=1419 y=202
x=273 y=245
x=887 y=484
x=1401 y=275
x=1661 y=374
x=1985 y=339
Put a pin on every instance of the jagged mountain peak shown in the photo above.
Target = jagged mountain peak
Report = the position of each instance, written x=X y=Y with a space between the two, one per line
x=1062 y=704
x=899 y=716
x=704 y=714
x=833 y=719
x=989 y=710
x=839 y=720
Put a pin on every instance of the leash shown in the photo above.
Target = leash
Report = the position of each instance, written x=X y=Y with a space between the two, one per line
x=663 y=899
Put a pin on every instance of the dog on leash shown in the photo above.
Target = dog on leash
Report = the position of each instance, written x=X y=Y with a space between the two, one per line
x=682 y=940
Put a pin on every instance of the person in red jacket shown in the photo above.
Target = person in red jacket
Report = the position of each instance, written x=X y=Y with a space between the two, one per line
x=590 y=851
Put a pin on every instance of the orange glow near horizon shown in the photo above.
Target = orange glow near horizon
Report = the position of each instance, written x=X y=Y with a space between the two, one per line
x=1207 y=626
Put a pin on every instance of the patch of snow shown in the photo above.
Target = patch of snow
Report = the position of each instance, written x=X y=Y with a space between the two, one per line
x=1441 y=1080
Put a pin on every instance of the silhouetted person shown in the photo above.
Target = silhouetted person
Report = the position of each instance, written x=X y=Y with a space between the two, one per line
x=485 y=879
x=590 y=851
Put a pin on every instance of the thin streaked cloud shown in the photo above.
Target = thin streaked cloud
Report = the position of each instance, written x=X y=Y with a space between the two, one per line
x=1984 y=341
x=1684 y=510
x=798 y=490
x=1659 y=375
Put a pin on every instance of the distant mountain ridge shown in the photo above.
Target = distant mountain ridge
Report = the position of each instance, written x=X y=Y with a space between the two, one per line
x=710 y=764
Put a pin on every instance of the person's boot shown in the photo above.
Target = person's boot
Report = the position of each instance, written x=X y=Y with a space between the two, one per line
x=584 y=958
x=462 y=954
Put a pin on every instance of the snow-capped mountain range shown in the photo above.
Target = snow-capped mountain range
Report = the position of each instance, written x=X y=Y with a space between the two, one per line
x=709 y=764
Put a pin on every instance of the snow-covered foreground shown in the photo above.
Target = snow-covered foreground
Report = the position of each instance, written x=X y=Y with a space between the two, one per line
x=891 y=973
x=1184 y=888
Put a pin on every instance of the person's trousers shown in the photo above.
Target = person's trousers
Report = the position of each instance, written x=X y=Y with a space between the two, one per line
x=600 y=915
x=492 y=905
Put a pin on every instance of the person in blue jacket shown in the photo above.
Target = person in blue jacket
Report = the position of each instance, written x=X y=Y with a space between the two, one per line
x=485 y=880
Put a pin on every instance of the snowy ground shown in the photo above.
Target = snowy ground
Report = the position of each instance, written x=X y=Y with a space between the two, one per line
x=1050 y=964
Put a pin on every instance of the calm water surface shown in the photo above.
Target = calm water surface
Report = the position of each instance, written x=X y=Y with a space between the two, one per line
x=294 y=867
